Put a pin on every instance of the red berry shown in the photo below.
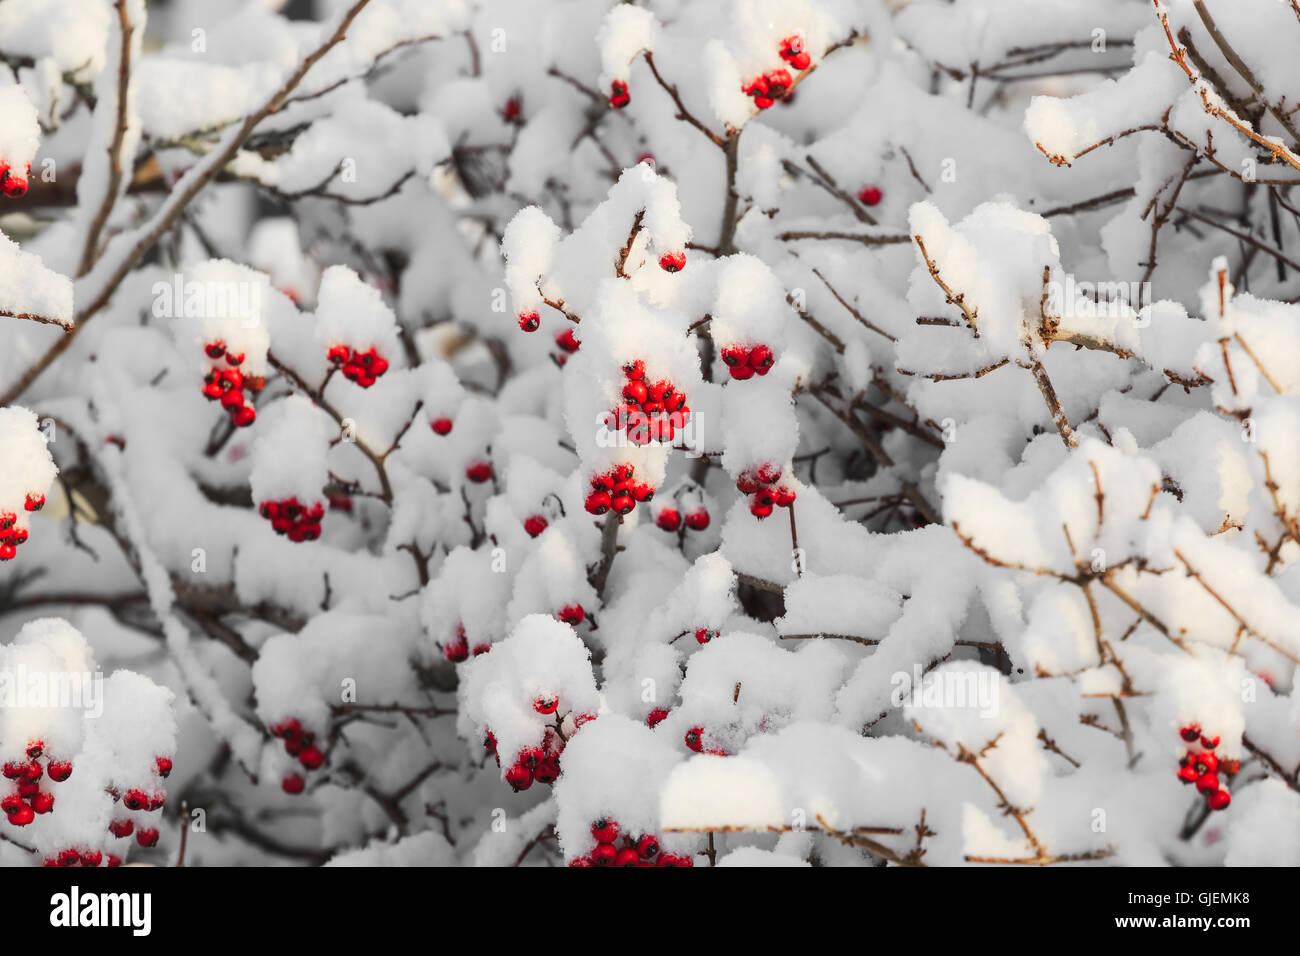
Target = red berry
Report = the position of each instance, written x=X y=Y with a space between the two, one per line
x=580 y=861
x=605 y=830
x=573 y=614
x=529 y=321
x=28 y=788
x=778 y=82
x=742 y=372
x=647 y=847
x=547 y=772
x=1207 y=763
x=92 y=857
x=757 y=88
x=800 y=61
x=535 y=525
x=147 y=837
x=43 y=802
x=618 y=95
x=441 y=426
x=785 y=497
x=338 y=354
x=623 y=503
x=546 y=704
x=697 y=520
x=642 y=491
x=1208 y=782
x=244 y=416
x=760 y=359
x=566 y=340
x=1220 y=799
x=655 y=716
x=34 y=749
x=626 y=857
x=1191 y=733
x=669 y=519
x=870 y=195
x=519 y=777
x=232 y=399
x=22 y=815
x=234 y=358
x=456 y=651
x=135 y=800
x=215 y=350
x=597 y=502
x=15 y=771
x=512 y=109
x=114 y=860
x=293 y=783
x=479 y=471
x=672 y=261
x=1209 y=743
x=703 y=635
x=34 y=502
x=634 y=369
x=735 y=355
x=121 y=828
x=635 y=391
x=604 y=855
x=694 y=739
x=312 y=758
x=1187 y=774
x=481 y=649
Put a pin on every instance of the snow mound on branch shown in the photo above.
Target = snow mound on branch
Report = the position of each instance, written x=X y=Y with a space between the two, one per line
x=350 y=312
x=839 y=604
x=138 y=725
x=305 y=675
x=72 y=33
x=994 y=258
x=30 y=288
x=468 y=593
x=613 y=769
x=220 y=300
x=176 y=96
x=48 y=677
x=289 y=456
x=541 y=657
x=20 y=131
x=626 y=32
x=29 y=466
x=361 y=150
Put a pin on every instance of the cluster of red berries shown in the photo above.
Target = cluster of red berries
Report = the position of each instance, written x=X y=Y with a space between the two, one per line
x=745 y=363
x=616 y=489
x=636 y=849
x=358 y=366
x=650 y=411
x=769 y=87
x=1202 y=767
x=540 y=764
x=567 y=344
x=12 y=184
x=793 y=52
x=763 y=497
x=290 y=517
x=28 y=799
x=137 y=799
x=226 y=383
x=618 y=95
x=74 y=857
x=870 y=195
x=301 y=744
x=11 y=537
x=457 y=649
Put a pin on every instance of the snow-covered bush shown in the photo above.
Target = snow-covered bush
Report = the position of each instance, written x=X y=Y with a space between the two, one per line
x=753 y=432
